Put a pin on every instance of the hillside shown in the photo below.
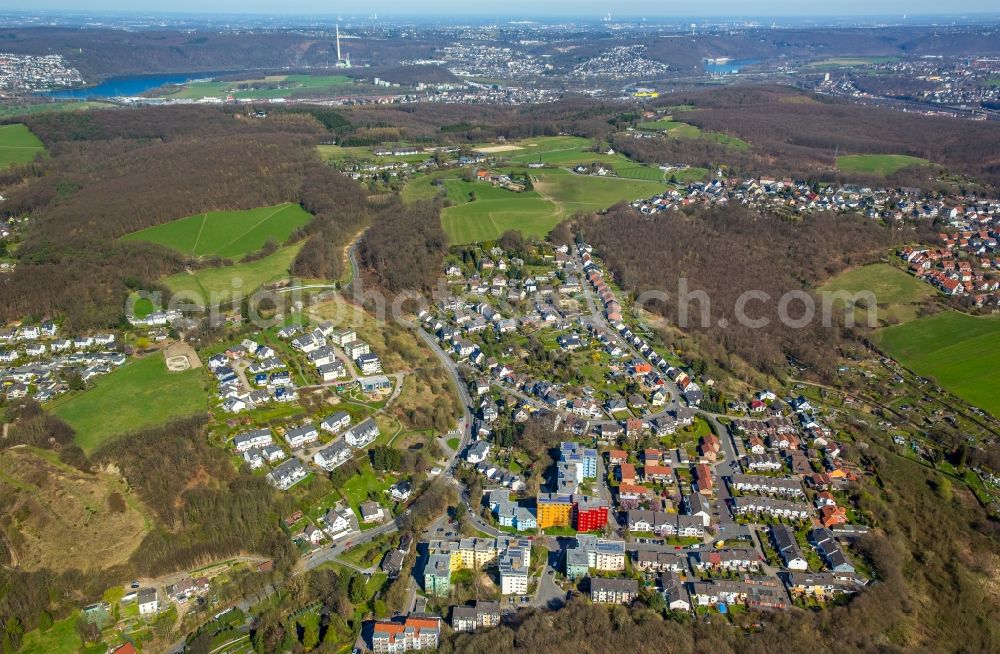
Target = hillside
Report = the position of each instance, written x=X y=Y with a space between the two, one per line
x=112 y=173
x=60 y=518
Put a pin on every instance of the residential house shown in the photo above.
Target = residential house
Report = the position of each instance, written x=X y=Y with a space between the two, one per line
x=148 y=601
x=362 y=434
x=412 y=634
x=604 y=590
x=335 y=422
x=371 y=512
x=287 y=474
x=301 y=436
x=333 y=455
x=252 y=439
x=480 y=615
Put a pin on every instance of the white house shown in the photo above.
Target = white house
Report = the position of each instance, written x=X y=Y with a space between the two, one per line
x=254 y=458
x=148 y=600
x=354 y=349
x=343 y=336
x=336 y=523
x=400 y=491
x=333 y=455
x=477 y=452
x=272 y=453
x=321 y=356
x=252 y=439
x=335 y=422
x=371 y=512
x=332 y=371
x=301 y=436
x=287 y=474
x=369 y=364
x=362 y=434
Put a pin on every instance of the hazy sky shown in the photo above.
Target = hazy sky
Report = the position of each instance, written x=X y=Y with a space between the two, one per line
x=508 y=8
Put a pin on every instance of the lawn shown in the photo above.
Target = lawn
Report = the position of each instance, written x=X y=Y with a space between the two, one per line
x=286 y=86
x=357 y=488
x=583 y=193
x=957 y=350
x=226 y=283
x=139 y=394
x=13 y=111
x=898 y=294
x=672 y=128
x=726 y=140
x=488 y=219
x=227 y=234
x=60 y=637
x=846 y=62
x=18 y=145
x=338 y=153
x=878 y=164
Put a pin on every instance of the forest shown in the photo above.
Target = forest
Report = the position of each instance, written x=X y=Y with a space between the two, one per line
x=114 y=172
x=801 y=132
x=405 y=246
x=204 y=510
x=726 y=251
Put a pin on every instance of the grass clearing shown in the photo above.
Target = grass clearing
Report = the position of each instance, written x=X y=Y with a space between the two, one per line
x=727 y=140
x=672 y=128
x=60 y=637
x=339 y=153
x=226 y=234
x=368 y=485
x=14 y=111
x=847 y=62
x=486 y=220
x=139 y=394
x=270 y=87
x=18 y=145
x=60 y=517
x=225 y=283
x=957 y=350
x=899 y=295
x=878 y=164
x=482 y=212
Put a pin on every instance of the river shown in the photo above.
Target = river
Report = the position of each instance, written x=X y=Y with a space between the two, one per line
x=730 y=67
x=128 y=85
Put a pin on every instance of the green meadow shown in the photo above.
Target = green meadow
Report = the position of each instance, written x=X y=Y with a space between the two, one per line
x=140 y=394
x=288 y=86
x=957 y=350
x=878 y=164
x=849 y=62
x=899 y=295
x=339 y=153
x=672 y=128
x=12 y=111
x=678 y=129
x=18 y=145
x=226 y=283
x=482 y=212
x=226 y=234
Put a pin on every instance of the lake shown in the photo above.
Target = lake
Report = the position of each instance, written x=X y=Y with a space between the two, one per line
x=730 y=67
x=129 y=85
